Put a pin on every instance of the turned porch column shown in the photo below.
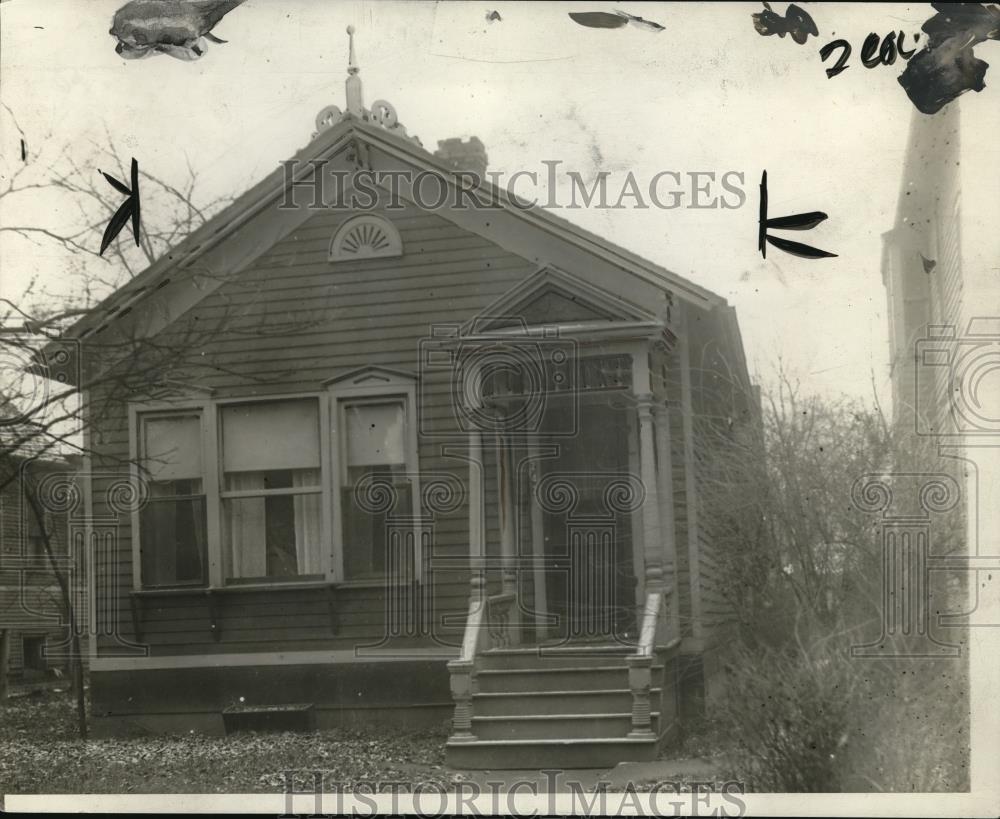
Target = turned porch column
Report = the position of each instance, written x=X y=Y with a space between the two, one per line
x=538 y=576
x=477 y=540
x=652 y=536
x=462 y=671
x=505 y=501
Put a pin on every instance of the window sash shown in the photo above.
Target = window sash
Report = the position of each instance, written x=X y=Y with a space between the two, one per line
x=166 y=559
x=247 y=538
x=195 y=543
x=343 y=404
x=285 y=431
x=158 y=465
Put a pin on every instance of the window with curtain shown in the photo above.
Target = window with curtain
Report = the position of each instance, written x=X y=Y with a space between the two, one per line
x=374 y=447
x=173 y=523
x=271 y=490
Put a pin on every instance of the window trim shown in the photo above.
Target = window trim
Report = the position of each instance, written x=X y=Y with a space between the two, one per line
x=181 y=406
x=326 y=522
x=372 y=384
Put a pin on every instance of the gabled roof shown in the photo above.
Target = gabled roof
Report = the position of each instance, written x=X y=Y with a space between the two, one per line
x=251 y=225
x=552 y=296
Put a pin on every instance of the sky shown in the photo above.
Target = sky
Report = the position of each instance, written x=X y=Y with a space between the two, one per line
x=706 y=94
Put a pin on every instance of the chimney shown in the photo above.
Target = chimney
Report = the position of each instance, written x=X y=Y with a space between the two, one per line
x=460 y=155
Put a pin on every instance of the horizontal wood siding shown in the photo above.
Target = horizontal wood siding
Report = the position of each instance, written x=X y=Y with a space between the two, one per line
x=721 y=404
x=289 y=322
x=679 y=490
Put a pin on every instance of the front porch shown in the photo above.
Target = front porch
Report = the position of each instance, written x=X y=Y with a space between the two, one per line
x=572 y=632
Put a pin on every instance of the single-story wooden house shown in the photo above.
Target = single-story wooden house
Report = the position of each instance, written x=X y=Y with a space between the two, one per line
x=404 y=463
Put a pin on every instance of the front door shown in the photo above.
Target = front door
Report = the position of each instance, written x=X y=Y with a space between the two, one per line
x=588 y=494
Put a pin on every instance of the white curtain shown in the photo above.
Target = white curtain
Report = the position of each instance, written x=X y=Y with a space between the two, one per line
x=307 y=523
x=247 y=527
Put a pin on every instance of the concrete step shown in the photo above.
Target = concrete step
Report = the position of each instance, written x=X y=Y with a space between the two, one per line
x=556 y=726
x=554 y=657
x=527 y=754
x=563 y=678
x=610 y=701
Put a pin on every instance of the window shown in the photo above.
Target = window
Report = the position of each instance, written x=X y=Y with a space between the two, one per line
x=172 y=524
x=247 y=491
x=271 y=490
x=373 y=451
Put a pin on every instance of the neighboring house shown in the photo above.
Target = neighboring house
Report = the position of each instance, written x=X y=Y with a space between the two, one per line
x=941 y=270
x=410 y=446
x=30 y=610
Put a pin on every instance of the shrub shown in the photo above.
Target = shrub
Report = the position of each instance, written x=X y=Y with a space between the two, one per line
x=789 y=711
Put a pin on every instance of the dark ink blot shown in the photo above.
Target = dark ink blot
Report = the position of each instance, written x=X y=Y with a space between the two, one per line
x=129 y=208
x=179 y=28
x=796 y=23
x=799 y=221
x=24 y=151
x=947 y=68
x=929 y=264
x=598 y=19
x=648 y=25
x=493 y=16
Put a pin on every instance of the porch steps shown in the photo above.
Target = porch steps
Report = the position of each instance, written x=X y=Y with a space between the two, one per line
x=612 y=700
x=567 y=706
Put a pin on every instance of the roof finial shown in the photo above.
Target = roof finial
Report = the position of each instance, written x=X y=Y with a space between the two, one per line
x=355 y=102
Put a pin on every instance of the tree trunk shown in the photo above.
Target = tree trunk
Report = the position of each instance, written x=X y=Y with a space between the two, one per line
x=81 y=695
x=4 y=662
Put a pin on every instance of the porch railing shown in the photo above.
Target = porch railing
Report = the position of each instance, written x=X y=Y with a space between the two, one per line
x=653 y=636
x=490 y=624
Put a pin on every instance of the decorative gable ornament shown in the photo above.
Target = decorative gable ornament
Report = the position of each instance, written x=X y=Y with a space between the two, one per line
x=381 y=113
x=365 y=237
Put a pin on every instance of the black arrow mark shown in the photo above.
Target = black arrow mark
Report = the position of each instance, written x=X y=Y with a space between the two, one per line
x=798 y=221
x=129 y=208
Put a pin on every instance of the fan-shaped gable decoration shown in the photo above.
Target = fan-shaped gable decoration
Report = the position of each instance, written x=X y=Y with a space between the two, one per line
x=365 y=237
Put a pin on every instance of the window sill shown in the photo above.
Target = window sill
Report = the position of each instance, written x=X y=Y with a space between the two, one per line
x=235 y=588
x=373 y=583
x=276 y=586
